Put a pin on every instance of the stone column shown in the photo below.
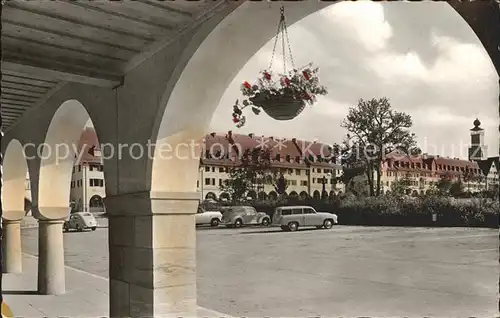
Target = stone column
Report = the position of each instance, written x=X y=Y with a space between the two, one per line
x=12 y=252
x=152 y=254
x=51 y=278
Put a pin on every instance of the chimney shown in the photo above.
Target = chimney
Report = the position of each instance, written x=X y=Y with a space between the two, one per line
x=271 y=138
x=294 y=140
x=251 y=135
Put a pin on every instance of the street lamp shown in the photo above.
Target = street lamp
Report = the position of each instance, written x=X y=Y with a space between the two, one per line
x=324 y=181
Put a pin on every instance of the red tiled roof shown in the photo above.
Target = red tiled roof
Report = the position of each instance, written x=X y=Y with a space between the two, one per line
x=88 y=139
x=220 y=142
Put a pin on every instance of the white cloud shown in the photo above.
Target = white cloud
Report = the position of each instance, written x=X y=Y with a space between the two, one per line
x=363 y=19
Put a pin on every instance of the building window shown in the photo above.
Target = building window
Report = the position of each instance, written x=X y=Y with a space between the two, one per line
x=213 y=181
x=297 y=172
x=303 y=183
x=314 y=180
x=197 y=183
x=79 y=168
x=101 y=168
x=207 y=181
x=207 y=169
x=220 y=182
x=221 y=169
x=213 y=169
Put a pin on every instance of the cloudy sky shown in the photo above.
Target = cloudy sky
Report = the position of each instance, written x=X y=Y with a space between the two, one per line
x=422 y=56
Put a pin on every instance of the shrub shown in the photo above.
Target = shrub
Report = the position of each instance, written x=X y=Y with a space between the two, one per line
x=390 y=210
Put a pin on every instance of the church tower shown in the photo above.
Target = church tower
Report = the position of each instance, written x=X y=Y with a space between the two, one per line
x=477 y=149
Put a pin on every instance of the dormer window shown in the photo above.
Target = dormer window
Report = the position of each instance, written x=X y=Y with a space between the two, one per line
x=288 y=158
x=278 y=157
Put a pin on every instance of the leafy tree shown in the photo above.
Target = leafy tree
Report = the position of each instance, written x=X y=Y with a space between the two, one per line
x=254 y=169
x=443 y=186
x=456 y=188
x=375 y=130
x=401 y=186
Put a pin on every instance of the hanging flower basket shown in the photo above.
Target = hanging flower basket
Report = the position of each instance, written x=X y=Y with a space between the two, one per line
x=284 y=95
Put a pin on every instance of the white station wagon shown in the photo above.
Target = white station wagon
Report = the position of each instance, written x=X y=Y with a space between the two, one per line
x=290 y=218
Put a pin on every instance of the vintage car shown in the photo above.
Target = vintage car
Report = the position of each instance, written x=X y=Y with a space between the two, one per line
x=290 y=218
x=80 y=221
x=204 y=217
x=238 y=216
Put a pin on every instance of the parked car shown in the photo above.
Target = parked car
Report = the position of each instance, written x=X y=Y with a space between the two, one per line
x=80 y=221
x=238 y=216
x=208 y=217
x=290 y=218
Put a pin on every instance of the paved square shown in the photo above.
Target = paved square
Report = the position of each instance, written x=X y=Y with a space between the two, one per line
x=346 y=271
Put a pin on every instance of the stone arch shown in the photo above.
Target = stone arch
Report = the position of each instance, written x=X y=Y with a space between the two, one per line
x=184 y=116
x=331 y=195
x=273 y=195
x=210 y=196
x=189 y=100
x=57 y=158
x=96 y=201
x=293 y=194
x=15 y=171
x=303 y=195
x=316 y=195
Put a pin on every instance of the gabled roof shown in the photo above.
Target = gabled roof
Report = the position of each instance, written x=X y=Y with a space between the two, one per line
x=485 y=165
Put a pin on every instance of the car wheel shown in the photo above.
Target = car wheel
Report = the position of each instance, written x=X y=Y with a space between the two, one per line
x=328 y=224
x=93 y=228
x=238 y=223
x=265 y=222
x=215 y=222
x=293 y=226
x=65 y=228
x=285 y=228
x=79 y=228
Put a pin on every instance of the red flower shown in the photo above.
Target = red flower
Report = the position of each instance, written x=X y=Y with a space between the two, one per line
x=306 y=75
x=247 y=85
x=287 y=81
x=235 y=120
x=267 y=76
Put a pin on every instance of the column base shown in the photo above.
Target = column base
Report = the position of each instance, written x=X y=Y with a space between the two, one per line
x=11 y=245
x=51 y=278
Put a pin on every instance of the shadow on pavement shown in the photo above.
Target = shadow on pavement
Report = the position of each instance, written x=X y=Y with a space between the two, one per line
x=277 y=231
x=20 y=292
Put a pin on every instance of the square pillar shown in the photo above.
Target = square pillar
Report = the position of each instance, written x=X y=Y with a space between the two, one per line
x=152 y=254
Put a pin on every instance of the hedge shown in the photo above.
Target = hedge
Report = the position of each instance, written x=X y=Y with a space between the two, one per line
x=394 y=211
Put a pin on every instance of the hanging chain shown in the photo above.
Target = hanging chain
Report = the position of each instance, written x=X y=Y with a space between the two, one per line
x=288 y=42
x=282 y=30
x=282 y=33
x=276 y=39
